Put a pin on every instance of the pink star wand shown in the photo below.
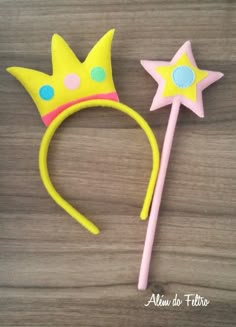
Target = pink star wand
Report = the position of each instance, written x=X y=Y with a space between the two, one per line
x=180 y=82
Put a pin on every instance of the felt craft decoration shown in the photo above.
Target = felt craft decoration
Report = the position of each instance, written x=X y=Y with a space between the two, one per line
x=180 y=82
x=75 y=86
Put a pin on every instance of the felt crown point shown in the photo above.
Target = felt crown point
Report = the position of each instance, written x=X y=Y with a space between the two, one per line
x=72 y=81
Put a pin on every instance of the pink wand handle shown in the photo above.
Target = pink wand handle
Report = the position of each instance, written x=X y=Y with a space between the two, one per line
x=151 y=229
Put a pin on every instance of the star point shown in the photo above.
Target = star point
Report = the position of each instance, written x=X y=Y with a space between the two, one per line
x=180 y=78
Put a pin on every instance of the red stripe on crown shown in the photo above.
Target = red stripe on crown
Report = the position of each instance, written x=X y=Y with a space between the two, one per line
x=48 y=118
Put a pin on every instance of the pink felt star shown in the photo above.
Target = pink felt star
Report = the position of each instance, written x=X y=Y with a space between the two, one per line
x=180 y=78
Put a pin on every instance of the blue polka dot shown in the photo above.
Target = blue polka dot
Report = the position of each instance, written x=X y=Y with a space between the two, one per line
x=98 y=74
x=183 y=76
x=46 y=92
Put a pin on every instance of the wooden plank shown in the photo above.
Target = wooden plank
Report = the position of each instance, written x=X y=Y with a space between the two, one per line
x=54 y=273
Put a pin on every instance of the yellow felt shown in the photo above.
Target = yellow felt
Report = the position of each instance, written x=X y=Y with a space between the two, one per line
x=43 y=152
x=171 y=89
x=65 y=62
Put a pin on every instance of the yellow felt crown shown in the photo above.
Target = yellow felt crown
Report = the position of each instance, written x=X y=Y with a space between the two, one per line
x=72 y=81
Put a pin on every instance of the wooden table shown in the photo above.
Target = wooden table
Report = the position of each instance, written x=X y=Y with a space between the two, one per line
x=54 y=273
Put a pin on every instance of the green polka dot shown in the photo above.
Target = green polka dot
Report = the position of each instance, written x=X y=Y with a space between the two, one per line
x=98 y=74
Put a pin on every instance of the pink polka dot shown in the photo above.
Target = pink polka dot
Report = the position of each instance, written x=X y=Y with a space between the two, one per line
x=72 y=81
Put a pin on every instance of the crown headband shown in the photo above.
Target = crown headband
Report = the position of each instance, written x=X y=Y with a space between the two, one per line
x=75 y=86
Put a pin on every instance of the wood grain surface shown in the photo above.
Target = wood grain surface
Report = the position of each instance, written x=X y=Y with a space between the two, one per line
x=53 y=272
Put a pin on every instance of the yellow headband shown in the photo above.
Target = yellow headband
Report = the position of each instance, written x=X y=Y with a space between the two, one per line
x=72 y=87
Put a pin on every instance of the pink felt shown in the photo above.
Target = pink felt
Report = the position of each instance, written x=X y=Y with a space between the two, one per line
x=48 y=118
x=160 y=101
x=156 y=202
x=72 y=81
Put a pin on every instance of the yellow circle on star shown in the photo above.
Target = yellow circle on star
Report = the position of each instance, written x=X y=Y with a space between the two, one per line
x=174 y=87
